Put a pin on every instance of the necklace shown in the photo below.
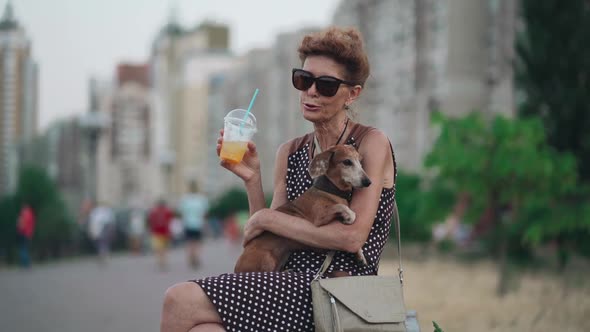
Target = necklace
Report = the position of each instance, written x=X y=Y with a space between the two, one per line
x=317 y=144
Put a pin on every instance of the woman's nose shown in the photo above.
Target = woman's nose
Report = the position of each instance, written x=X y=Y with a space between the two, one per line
x=312 y=90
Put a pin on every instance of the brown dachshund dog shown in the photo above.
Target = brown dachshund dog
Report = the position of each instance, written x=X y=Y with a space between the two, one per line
x=336 y=172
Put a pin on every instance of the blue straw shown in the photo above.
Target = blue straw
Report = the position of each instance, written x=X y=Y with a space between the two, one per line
x=251 y=103
x=249 y=108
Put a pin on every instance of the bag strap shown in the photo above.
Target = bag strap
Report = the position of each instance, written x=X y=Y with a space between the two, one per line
x=324 y=267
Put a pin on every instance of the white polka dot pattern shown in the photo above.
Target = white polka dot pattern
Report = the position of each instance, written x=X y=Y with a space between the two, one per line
x=281 y=301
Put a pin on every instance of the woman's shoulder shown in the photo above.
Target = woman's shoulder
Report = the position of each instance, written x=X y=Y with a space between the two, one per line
x=369 y=135
x=295 y=144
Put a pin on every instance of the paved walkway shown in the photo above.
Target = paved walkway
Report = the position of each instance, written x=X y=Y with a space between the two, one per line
x=80 y=295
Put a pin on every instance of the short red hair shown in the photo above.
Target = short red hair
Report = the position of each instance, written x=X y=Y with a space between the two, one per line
x=343 y=45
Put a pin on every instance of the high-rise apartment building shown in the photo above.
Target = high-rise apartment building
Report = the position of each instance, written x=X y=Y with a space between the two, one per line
x=454 y=56
x=182 y=63
x=125 y=164
x=18 y=96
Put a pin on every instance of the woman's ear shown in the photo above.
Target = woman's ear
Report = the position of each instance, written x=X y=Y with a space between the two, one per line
x=355 y=92
x=319 y=164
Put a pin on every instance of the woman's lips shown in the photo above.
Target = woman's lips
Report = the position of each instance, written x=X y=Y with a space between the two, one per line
x=311 y=107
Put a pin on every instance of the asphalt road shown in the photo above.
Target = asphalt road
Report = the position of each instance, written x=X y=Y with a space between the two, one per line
x=81 y=295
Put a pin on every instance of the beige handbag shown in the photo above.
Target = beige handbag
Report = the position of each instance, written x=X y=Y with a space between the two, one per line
x=359 y=303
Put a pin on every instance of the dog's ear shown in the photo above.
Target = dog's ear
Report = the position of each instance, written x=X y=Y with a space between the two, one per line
x=319 y=164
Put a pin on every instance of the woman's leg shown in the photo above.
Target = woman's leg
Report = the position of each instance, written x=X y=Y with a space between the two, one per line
x=192 y=248
x=208 y=328
x=187 y=308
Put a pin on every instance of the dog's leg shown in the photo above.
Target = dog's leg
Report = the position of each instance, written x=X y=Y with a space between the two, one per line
x=339 y=212
x=343 y=214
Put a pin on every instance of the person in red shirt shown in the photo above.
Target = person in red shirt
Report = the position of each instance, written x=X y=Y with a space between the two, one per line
x=159 y=219
x=25 y=229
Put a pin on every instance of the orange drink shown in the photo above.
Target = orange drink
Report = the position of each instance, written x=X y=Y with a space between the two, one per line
x=233 y=151
x=239 y=127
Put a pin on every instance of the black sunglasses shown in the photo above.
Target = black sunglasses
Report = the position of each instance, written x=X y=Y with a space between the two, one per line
x=325 y=85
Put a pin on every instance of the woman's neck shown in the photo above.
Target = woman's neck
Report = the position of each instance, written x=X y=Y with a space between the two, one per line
x=327 y=133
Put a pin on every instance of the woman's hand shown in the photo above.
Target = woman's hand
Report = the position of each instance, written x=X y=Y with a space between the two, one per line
x=249 y=168
x=254 y=226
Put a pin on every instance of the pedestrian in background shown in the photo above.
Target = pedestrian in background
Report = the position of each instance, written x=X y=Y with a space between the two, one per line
x=101 y=230
x=160 y=219
x=136 y=230
x=25 y=229
x=193 y=210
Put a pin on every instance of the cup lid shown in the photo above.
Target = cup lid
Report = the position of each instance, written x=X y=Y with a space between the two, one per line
x=241 y=115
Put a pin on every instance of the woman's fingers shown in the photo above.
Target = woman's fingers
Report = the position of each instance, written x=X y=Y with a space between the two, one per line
x=251 y=235
x=219 y=142
x=252 y=147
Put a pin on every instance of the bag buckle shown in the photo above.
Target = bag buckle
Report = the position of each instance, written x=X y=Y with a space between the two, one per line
x=401 y=276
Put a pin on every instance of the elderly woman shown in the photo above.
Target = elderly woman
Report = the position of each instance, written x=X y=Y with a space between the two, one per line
x=334 y=70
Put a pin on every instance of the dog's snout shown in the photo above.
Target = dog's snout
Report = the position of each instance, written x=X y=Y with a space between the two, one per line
x=366 y=182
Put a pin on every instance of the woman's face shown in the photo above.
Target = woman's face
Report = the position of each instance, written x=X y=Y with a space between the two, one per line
x=316 y=107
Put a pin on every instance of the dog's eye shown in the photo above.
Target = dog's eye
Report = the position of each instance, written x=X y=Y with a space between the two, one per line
x=347 y=162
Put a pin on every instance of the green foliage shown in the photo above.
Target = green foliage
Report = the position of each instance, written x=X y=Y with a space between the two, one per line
x=54 y=230
x=9 y=208
x=436 y=327
x=408 y=198
x=53 y=227
x=506 y=165
x=35 y=187
x=230 y=202
x=553 y=73
x=419 y=209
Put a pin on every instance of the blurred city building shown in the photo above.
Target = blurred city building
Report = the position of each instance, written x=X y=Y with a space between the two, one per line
x=426 y=55
x=182 y=64
x=126 y=170
x=276 y=107
x=18 y=96
x=62 y=152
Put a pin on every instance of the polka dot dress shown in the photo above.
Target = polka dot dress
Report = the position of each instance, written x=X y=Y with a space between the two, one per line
x=281 y=301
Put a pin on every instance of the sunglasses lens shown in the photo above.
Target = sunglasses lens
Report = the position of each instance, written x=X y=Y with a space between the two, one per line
x=302 y=80
x=326 y=86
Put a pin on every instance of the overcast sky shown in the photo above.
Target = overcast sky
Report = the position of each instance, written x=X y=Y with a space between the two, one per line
x=75 y=39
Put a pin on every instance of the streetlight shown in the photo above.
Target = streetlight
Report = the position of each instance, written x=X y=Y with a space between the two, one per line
x=167 y=159
x=93 y=124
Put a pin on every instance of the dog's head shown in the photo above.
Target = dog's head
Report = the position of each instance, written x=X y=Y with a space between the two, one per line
x=342 y=165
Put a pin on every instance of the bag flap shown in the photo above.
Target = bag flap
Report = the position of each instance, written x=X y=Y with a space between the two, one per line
x=376 y=299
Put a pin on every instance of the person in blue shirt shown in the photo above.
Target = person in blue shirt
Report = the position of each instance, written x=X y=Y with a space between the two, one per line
x=193 y=211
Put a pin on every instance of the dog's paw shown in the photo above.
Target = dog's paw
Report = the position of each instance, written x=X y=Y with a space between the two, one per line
x=348 y=218
x=344 y=214
x=361 y=257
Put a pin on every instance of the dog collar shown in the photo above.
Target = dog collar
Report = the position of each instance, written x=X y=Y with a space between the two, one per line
x=323 y=183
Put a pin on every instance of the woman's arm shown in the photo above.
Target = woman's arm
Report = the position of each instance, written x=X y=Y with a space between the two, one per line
x=279 y=196
x=249 y=171
x=376 y=156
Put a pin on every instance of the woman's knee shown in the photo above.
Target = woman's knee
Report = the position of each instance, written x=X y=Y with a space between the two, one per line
x=188 y=301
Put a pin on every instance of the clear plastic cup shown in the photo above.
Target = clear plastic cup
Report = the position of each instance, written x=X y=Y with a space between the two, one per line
x=238 y=130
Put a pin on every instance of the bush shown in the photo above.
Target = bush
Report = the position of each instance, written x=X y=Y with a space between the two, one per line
x=53 y=226
x=419 y=209
x=228 y=203
x=54 y=230
x=9 y=207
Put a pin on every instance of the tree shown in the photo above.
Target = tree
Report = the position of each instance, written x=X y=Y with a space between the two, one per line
x=230 y=202
x=418 y=208
x=508 y=169
x=54 y=225
x=553 y=73
x=9 y=209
